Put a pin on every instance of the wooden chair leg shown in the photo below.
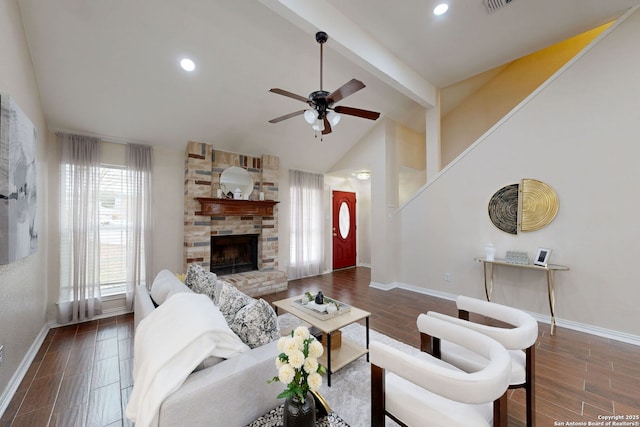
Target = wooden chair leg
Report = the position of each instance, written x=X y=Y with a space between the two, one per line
x=425 y=343
x=530 y=388
x=377 y=396
x=500 y=418
x=430 y=345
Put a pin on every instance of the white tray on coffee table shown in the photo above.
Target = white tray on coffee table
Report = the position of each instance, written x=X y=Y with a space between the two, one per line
x=322 y=315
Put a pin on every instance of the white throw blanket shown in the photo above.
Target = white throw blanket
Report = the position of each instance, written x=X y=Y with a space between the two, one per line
x=169 y=344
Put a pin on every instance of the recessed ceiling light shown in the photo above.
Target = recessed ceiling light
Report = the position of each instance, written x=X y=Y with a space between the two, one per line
x=187 y=64
x=362 y=175
x=440 y=9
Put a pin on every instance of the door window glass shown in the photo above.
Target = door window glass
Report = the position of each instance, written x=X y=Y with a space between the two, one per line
x=343 y=219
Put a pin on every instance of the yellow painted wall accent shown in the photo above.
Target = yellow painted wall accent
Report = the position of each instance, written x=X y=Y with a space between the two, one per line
x=411 y=162
x=475 y=115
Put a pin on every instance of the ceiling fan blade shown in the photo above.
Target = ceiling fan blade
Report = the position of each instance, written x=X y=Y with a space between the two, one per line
x=365 y=114
x=327 y=126
x=286 y=116
x=349 y=88
x=289 y=94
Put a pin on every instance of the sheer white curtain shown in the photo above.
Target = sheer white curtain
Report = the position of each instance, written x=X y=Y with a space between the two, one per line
x=139 y=258
x=306 y=256
x=79 y=228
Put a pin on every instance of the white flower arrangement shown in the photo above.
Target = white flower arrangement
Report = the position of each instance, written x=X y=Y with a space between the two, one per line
x=298 y=365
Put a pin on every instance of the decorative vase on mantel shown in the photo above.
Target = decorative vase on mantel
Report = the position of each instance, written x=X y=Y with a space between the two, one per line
x=299 y=414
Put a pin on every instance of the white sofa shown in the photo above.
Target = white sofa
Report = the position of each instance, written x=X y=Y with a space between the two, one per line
x=231 y=392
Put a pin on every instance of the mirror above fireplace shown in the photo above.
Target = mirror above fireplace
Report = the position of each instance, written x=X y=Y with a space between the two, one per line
x=236 y=178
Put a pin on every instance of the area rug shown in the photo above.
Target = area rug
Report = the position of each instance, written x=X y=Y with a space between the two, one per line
x=350 y=393
x=274 y=419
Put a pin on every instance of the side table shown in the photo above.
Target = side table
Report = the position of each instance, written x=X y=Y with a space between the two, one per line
x=488 y=288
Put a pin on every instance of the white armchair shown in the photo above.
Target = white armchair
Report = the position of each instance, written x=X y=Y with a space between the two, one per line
x=418 y=391
x=519 y=340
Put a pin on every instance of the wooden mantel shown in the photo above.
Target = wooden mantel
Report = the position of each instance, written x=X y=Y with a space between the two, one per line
x=232 y=207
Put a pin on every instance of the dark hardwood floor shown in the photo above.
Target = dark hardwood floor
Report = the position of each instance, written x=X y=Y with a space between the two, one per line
x=82 y=373
x=81 y=376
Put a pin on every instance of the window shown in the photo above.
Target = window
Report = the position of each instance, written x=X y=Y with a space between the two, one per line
x=113 y=229
x=306 y=255
x=105 y=220
x=112 y=212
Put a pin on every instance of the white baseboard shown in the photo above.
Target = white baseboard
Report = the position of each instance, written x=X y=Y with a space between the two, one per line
x=19 y=374
x=382 y=286
x=111 y=312
x=543 y=318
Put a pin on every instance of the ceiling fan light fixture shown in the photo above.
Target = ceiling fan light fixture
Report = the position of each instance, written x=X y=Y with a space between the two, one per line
x=321 y=115
x=318 y=126
x=334 y=118
x=310 y=116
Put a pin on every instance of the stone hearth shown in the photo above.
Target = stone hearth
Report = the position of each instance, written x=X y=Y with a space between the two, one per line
x=203 y=166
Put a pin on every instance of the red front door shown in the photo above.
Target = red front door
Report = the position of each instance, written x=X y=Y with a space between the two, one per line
x=344 y=229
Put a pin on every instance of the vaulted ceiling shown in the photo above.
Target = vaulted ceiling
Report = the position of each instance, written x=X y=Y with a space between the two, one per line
x=110 y=68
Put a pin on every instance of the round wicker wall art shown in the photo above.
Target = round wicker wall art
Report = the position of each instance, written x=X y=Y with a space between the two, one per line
x=534 y=209
x=503 y=209
x=539 y=205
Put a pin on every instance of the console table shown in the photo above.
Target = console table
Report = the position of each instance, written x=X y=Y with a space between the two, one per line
x=550 y=268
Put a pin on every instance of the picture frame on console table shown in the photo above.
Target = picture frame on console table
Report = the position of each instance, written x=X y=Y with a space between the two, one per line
x=542 y=257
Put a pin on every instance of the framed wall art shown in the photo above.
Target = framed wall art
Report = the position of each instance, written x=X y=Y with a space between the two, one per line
x=18 y=192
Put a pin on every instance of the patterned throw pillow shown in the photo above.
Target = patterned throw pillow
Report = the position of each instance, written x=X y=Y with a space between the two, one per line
x=230 y=300
x=190 y=278
x=256 y=324
x=201 y=281
x=219 y=285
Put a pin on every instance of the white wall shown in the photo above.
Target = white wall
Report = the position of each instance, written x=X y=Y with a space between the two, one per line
x=22 y=283
x=168 y=202
x=579 y=134
x=370 y=153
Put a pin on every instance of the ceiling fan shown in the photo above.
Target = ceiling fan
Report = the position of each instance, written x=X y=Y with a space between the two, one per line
x=322 y=114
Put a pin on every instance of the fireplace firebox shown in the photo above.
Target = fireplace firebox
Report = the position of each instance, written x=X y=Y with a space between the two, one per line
x=234 y=254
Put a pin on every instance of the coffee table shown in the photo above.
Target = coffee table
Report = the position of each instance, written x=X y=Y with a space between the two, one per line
x=349 y=351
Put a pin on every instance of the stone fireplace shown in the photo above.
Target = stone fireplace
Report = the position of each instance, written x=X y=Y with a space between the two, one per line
x=203 y=166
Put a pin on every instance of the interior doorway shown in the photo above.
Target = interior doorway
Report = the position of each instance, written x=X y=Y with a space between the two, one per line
x=344 y=229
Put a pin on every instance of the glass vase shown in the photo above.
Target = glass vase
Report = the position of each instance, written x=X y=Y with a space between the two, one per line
x=298 y=413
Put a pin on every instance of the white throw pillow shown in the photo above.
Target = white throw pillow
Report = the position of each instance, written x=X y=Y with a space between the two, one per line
x=256 y=324
x=164 y=285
